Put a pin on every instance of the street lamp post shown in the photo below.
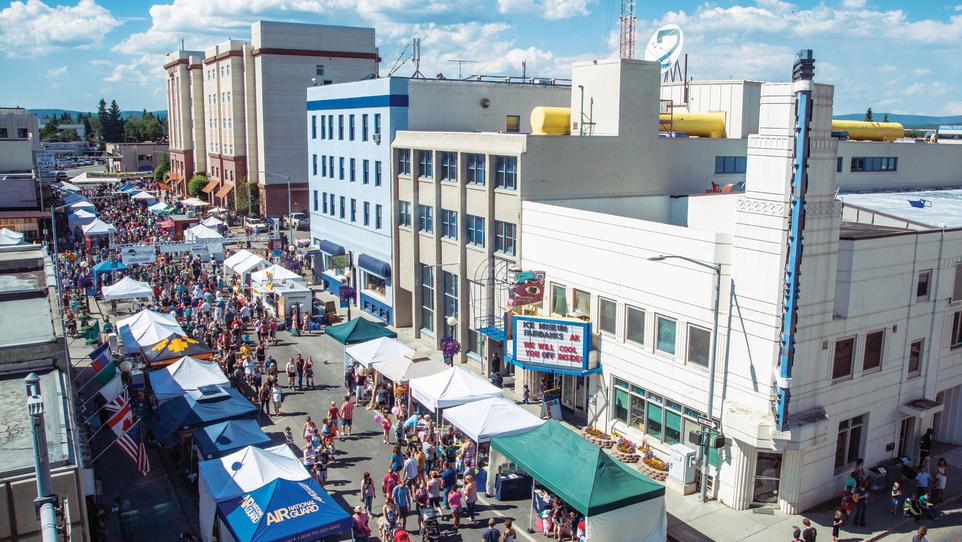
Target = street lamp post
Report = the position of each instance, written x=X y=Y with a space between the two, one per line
x=706 y=430
x=290 y=223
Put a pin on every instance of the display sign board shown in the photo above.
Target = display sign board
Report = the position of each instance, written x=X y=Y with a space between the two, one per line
x=551 y=343
x=551 y=404
x=527 y=289
x=46 y=160
x=135 y=254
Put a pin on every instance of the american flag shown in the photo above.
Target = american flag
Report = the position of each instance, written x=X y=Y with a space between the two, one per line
x=128 y=432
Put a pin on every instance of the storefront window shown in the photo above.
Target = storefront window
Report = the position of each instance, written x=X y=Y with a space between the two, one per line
x=672 y=427
x=656 y=416
x=637 y=413
x=654 y=420
x=621 y=405
x=559 y=299
x=476 y=343
x=374 y=283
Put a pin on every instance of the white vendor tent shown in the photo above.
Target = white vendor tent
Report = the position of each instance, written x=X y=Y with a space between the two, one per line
x=250 y=263
x=85 y=204
x=127 y=288
x=199 y=232
x=409 y=367
x=158 y=207
x=211 y=222
x=83 y=178
x=183 y=376
x=10 y=237
x=237 y=257
x=238 y=473
x=194 y=202
x=377 y=350
x=483 y=420
x=148 y=327
x=98 y=227
x=67 y=186
x=278 y=274
x=450 y=388
x=79 y=218
x=143 y=196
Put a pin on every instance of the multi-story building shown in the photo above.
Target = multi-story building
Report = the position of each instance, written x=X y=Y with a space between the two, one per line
x=19 y=123
x=186 y=124
x=251 y=95
x=350 y=127
x=126 y=157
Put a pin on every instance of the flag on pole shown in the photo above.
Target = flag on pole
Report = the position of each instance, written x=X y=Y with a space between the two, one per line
x=140 y=457
x=113 y=388
x=106 y=374
x=121 y=417
x=128 y=432
x=100 y=357
x=93 y=332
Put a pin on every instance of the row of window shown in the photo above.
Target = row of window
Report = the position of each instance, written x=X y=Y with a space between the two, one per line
x=325 y=204
x=473 y=168
x=224 y=72
x=874 y=163
x=327 y=127
x=698 y=343
x=449 y=296
x=505 y=233
x=726 y=165
x=224 y=97
x=327 y=169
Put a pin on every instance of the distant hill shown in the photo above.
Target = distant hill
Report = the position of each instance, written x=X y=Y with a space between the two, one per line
x=44 y=114
x=909 y=121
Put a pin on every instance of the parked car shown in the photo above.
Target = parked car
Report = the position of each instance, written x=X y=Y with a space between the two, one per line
x=254 y=225
x=299 y=221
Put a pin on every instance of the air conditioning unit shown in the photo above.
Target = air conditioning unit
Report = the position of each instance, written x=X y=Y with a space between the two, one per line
x=377 y=138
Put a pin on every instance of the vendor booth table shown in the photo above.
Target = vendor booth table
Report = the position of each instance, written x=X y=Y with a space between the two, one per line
x=619 y=503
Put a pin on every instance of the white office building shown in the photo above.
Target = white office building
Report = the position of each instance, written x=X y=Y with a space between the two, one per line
x=350 y=127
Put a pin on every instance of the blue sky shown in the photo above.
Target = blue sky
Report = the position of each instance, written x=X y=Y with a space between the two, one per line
x=892 y=56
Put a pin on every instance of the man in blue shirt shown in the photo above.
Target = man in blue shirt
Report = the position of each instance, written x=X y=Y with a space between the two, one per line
x=450 y=478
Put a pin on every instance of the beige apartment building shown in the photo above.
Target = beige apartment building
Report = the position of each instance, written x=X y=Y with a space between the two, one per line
x=19 y=123
x=246 y=103
x=185 y=116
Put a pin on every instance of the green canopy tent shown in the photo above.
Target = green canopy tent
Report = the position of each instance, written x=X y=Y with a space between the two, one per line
x=358 y=330
x=619 y=503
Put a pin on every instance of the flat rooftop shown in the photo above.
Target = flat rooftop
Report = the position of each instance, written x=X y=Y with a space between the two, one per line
x=16 y=440
x=25 y=322
x=16 y=285
x=854 y=231
x=936 y=208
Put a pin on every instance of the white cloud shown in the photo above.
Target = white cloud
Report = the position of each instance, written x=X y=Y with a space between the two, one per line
x=854 y=4
x=142 y=70
x=918 y=72
x=56 y=73
x=935 y=88
x=33 y=28
x=549 y=9
x=952 y=108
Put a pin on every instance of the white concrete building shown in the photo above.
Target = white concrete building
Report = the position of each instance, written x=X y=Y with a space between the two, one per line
x=186 y=124
x=20 y=124
x=350 y=127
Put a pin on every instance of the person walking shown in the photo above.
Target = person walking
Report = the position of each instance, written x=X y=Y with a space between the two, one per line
x=277 y=398
x=837 y=521
x=919 y=535
x=896 y=498
x=291 y=373
x=470 y=496
x=922 y=479
x=402 y=497
x=449 y=477
x=359 y=526
x=389 y=482
x=941 y=478
x=860 y=498
x=491 y=534
x=808 y=532
x=453 y=500
x=346 y=414
x=299 y=366
x=367 y=492
x=309 y=372
x=509 y=533
x=264 y=396
x=925 y=444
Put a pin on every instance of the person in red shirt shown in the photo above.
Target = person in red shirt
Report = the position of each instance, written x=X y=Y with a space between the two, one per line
x=389 y=482
x=347 y=416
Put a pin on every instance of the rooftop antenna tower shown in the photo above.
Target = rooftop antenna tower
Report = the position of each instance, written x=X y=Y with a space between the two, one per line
x=461 y=62
x=628 y=20
x=416 y=58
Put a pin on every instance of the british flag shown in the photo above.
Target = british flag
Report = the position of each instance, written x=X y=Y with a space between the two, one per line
x=129 y=440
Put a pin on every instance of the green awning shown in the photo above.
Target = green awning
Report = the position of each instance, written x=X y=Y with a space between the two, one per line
x=358 y=330
x=579 y=472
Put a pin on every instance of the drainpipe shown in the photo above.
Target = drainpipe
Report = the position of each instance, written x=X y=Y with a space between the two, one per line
x=46 y=501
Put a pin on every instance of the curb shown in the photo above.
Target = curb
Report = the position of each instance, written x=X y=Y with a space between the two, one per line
x=899 y=526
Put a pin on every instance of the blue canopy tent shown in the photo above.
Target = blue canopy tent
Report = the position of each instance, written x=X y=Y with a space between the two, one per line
x=107 y=266
x=223 y=438
x=193 y=410
x=283 y=511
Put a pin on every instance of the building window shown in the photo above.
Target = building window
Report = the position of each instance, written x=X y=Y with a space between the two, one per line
x=315 y=201
x=377 y=217
x=314 y=165
x=353 y=168
x=365 y=171
x=340 y=127
x=377 y=173
x=449 y=289
x=874 y=163
x=426 y=164
x=351 y=127
x=474 y=230
x=582 y=302
x=449 y=166
x=332 y=205
x=504 y=237
x=330 y=127
x=475 y=169
x=425 y=218
x=955 y=336
x=512 y=123
x=607 y=315
x=842 y=359
x=427 y=298
x=340 y=168
x=923 y=284
x=449 y=224
x=367 y=213
x=635 y=325
x=323 y=127
x=699 y=344
x=559 y=299
x=313 y=126
x=324 y=166
x=728 y=165
x=343 y=205
x=404 y=213
x=957 y=285
x=319 y=69
x=377 y=123
x=404 y=161
x=915 y=357
x=848 y=448
x=665 y=335
x=872 y=358
x=506 y=172
x=324 y=202
x=364 y=127
x=838 y=164
x=353 y=210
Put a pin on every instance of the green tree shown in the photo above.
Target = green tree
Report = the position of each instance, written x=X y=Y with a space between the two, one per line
x=868 y=115
x=885 y=117
x=160 y=172
x=50 y=129
x=242 y=200
x=196 y=183
x=103 y=121
x=69 y=134
x=116 y=123
x=88 y=127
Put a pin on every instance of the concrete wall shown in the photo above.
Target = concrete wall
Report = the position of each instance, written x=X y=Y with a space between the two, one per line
x=737 y=99
x=15 y=120
x=16 y=155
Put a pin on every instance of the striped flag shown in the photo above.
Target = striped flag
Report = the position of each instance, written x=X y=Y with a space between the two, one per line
x=128 y=432
x=100 y=357
x=113 y=388
x=121 y=417
x=140 y=455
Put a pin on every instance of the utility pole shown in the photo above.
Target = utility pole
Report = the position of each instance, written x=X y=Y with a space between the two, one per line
x=46 y=501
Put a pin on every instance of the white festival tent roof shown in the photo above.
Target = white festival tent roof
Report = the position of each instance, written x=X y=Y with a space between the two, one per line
x=98 y=227
x=194 y=202
x=237 y=258
x=404 y=369
x=84 y=179
x=450 y=388
x=68 y=186
x=127 y=288
x=148 y=327
x=83 y=204
x=143 y=196
x=483 y=420
x=240 y=472
x=377 y=350
x=211 y=222
x=185 y=375
x=279 y=275
x=10 y=237
x=201 y=232
x=157 y=207
x=249 y=262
